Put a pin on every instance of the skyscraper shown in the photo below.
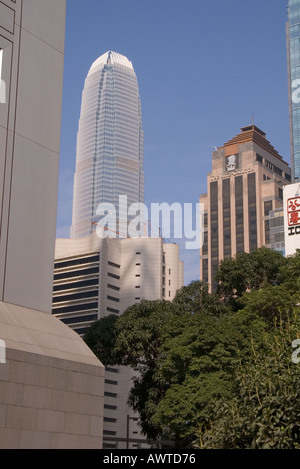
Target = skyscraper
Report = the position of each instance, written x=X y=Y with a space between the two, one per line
x=293 y=57
x=109 y=160
x=245 y=185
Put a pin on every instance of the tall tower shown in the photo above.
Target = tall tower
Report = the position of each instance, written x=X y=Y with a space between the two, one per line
x=293 y=58
x=245 y=185
x=109 y=160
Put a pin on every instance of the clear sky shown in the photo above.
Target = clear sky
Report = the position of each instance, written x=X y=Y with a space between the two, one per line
x=202 y=66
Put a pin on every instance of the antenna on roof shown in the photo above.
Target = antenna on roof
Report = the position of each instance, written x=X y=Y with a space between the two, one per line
x=252 y=118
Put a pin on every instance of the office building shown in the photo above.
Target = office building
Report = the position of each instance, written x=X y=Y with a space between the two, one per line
x=51 y=384
x=245 y=185
x=97 y=277
x=293 y=59
x=277 y=241
x=109 y=160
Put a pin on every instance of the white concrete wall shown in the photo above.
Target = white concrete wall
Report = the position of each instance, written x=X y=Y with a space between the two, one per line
x=29 y=148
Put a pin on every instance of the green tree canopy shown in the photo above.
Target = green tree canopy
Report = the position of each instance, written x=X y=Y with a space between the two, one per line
x=248 y=272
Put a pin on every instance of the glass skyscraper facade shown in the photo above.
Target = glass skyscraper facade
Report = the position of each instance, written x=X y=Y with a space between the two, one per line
x=109 y=160
x=293 y=54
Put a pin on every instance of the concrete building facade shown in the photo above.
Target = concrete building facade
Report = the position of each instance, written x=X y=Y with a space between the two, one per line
x=97 y=277
x=51 y=385
x=245 y=185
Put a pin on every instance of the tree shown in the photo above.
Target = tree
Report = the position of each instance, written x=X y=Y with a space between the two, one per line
x=264 y=411
x=248 y=272
x=199 y=357
x=101 y=338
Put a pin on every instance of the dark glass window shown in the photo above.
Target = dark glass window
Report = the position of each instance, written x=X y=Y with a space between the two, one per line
x=76 y=273
x=75 y=308
x=77 y=319
x=267 y=232
x=110 y=381
x=252 y=215
x=110 y=394
x=226 y=218
x=112 y=310
x=71 y=286
x=117 y=277
x=268 y=206
x=214 y=223
x=80 y=261
x=205 y=244
x=112 y=298
x=113 y=287
x=205 y=270
x=239 y=214
x=75 y=296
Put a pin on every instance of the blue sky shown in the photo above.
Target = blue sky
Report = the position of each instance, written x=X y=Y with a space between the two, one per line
x=203 y=67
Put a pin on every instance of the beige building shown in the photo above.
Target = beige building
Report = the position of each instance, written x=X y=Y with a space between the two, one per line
x=245 y=185
x=97 y=277
x=51 y=385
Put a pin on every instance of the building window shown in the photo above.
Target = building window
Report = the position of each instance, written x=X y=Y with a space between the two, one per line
x=112 y=298
x=109 y=419
x=239 y=214
x=268 y=206
x=252 y=215
x=110 y=381
x=110 y=407
x=214 y=223
x=117 y=277
x=112 y=310
x=111 y=370
x=112 y=264
x=267 y=232
x=110 y=394
x=280 y=193
x=226 y=218
x=205 y=270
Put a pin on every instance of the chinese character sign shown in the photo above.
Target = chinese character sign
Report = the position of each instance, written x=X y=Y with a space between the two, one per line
x=294 y=211
x=291 y=204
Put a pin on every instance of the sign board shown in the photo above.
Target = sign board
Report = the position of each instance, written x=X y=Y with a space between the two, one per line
x=291 y=208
